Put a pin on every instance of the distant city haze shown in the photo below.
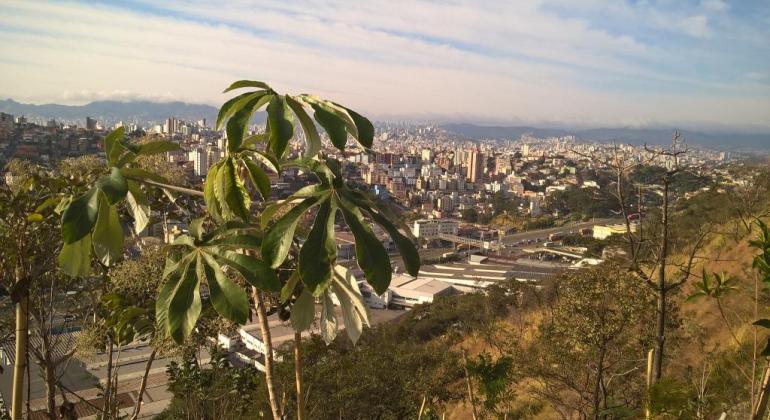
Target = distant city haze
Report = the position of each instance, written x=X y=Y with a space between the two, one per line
x=699 y=65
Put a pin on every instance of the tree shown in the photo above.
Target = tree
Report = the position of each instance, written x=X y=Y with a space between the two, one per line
x=650 y=246
x=227 y=237
x=599 y=323
x=130 y=306
x=29 y=209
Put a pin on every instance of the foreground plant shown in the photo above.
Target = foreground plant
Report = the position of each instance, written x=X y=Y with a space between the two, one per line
x=258 y=241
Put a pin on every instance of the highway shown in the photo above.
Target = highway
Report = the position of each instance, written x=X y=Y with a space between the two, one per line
x=543 y=233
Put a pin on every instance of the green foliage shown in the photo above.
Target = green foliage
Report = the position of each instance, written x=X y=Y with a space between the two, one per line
x=668 y=397
x=601 y=319
x=494 y=378
x=761 y=263
x=203 y=256
x=227 y=194
x=213 y=391
x=713 y=286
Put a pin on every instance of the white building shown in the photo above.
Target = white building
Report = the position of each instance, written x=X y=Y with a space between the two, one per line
x=431 y=228
x=407 y=291
x=605 y=231
x=200 y=159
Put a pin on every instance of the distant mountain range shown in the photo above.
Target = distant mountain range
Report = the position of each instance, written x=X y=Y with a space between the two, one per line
x=722 y=141
x=110 y=112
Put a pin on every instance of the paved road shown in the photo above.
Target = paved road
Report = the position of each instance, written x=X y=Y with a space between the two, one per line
x=543 y=233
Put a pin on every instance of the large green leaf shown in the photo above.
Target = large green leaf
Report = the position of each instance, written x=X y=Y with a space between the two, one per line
x=287 y=291
x=140 y=174
x=312 y=139
x=236 y=198
x=139 y=206
x=80 y=217
x=370 y=253
x=184 y=303
x=171 y=276
x=764 y=323
x=268 y=160
x=353 y=324
x=339 y=111
x=345 y=282
x=280 y=125
x=209 y=195
x=255 y=271
x=245 y=241
x=354 y=312
x=319 y=252
x=251 y=141
x=328 y=319
x=332 y=124
x=113 y=148
x=313 y=190
x=108 y=235
x=75 y=258
x=258 y=178
x=114 y=186
x=239 y=122
x=228 y=299
x=278 y=239
x=196 y=228
x=155 y=147
x=234 y=105
x=406 y=246
x=247 y=83
x=303 y=311
x=364 y=127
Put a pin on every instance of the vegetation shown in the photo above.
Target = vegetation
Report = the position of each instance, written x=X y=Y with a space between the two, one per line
x=624 y=339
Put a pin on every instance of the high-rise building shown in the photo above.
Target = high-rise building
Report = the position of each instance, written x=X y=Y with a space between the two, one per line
x=90 y=123
x=475 y=165
x=172 y=126
x=427 y=155
x=200 y=161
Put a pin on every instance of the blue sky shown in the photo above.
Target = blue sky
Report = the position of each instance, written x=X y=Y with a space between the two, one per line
x=690 y=63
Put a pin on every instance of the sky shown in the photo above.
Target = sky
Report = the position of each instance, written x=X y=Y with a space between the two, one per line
x=582 y=63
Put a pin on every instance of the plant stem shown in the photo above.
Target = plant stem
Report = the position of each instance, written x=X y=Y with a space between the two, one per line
x=259 y=301
x=143 y=385
x=20 y=363
x=182 y=190
x=470 y=387
x=298 y=375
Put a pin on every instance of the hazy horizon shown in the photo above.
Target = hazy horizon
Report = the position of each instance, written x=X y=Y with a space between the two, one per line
x=588 y=63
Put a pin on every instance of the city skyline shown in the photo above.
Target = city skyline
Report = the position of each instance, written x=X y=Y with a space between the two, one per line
x=692 y=64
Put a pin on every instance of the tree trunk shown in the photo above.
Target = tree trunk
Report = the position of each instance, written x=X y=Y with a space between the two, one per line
x=268 y=342
x=107 y=408
x=470 y=387
x=298 y=375
x=143 y=385
x=662 y=292
x=597 y=400
x=50 y=390
x=764 y=393
x=20 y=364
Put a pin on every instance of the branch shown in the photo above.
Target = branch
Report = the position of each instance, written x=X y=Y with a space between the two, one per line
x=686 y=273
x=182 y=190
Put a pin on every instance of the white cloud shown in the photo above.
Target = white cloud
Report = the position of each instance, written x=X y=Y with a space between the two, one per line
x=491 y=60
x=697 y=26
x=85 y=96
x=718 y=6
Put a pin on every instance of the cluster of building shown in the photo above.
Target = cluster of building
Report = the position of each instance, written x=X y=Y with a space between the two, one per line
x=435 y=175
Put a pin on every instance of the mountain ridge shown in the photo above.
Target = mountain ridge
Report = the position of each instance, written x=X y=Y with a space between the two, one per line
x=633 y=135
x=111 y=111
